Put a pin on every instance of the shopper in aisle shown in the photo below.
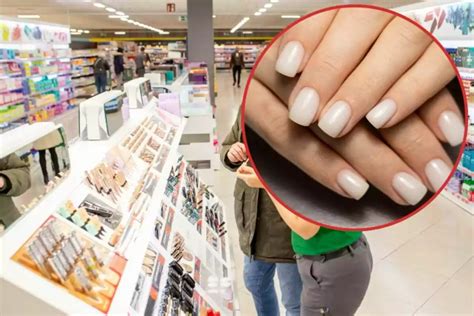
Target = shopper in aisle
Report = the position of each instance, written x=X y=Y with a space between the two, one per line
x=14 y=181
x=119 y=67
x=140 y=62
x=335 y=266
x=101 y=66
x=263 y=236
x=236 y=64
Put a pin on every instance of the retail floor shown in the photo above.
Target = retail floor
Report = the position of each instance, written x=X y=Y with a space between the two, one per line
x=423 y=266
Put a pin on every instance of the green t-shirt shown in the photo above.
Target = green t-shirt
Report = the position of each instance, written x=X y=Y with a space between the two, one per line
x=325 y=241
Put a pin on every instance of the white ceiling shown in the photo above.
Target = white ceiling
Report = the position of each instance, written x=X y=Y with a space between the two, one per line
x=83 y=15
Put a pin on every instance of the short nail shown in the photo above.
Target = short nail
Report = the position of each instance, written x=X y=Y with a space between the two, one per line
x=352 y=183
x=437 y=171
x=409 y=187
x=382 y=113
x=305 y=106
x=290 y=59
x=336 y=118
x=452 y=127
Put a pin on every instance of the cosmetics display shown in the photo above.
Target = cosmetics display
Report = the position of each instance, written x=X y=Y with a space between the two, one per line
x=224 y=52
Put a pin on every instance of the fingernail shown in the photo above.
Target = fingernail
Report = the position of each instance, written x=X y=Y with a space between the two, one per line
x=452 y=127
x=382 y=113
x=335 y=119
x=409 y=187
x=305 y=107
x=437 y=171
x=290 y=59
x=352 y=183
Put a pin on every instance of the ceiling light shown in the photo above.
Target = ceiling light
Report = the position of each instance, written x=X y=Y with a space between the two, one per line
x=214 y=16
x=274 y=1
x=290 y=16
x=120 y=33
x=87 y=1
x=119 y=13
x=165 y=32
x=75 y=33
x=247 y=32
x=268 y=5
x=262 y=10
x=117 y=16
x=28 y=16
x=86 y=31
x=80 y=31
x=239 y=25
x=73 y=30
x=110 y=9
x=99 y=5
x=124 y=18
x=130 y=21
x=257 y=13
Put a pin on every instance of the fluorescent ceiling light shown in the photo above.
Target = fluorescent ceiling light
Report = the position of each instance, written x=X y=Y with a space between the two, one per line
x=239 y=25
x=165 y=32
x=99 y=5
x=73 y=30
x=86 y=31
x=257 y=13
x=247 y=32
x=274 y=1
x=268 y=5
x=119 y=13
x=262 y=10
x=290 y=16
x=28 y=16
x=120 y=33
x=214 y=16
x=110 y=9
x=113 y=16
x=123 y=18
x=80 y=31
x=75 y=33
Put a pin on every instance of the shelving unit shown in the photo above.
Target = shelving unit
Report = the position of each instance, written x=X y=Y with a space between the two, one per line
x=223 y=54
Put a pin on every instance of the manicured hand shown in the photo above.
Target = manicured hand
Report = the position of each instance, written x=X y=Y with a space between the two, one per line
x=237 y=153
x=248 y=175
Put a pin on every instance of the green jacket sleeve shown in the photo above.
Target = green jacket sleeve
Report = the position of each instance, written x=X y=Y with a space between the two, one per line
x=17 y=173
x=232 y=138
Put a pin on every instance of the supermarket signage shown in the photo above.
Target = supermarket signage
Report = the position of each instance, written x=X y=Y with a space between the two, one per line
x=25 y=33
x=449 y=22
x=170 y=7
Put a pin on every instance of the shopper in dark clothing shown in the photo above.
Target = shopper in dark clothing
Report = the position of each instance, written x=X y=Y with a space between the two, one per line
x=263 y=236
x=119 y=67
x=237 y=63
x=140 y=62
x=101 y=66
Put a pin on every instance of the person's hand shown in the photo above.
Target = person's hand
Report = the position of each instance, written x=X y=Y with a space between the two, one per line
x=248 y=175
x=360 y=62
x=2 y=182
x=237 y=153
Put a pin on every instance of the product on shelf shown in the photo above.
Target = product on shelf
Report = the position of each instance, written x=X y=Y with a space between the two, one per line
x=65 y=257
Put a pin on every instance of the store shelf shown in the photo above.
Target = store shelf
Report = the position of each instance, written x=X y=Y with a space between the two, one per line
x=82 y=75
x=49 y=90
x=11 y=90
x=67 y=58
x=11 y=75
x=459 y=200
x=13 y=102
x=84 y=56
x=84 y=85
x=466 y=171
x=48 y=75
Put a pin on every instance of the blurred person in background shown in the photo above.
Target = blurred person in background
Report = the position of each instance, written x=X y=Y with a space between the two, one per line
x=236 y=64
x=101 y=67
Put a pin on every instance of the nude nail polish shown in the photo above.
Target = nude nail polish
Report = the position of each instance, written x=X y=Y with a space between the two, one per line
x=290 y=59
x=452 y=127
x=410 y=188
x=437 y=171
x=305 y=107
x=382 y=113
x=352 y=183
x=335 y=119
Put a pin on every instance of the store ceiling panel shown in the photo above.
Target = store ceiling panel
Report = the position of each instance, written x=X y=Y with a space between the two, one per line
x=83 y=14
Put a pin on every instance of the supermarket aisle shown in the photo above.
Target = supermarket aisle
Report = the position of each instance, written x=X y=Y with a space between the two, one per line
x=422 y=266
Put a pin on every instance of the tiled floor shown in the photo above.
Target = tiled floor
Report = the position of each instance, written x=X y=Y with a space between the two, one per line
x=423 y=266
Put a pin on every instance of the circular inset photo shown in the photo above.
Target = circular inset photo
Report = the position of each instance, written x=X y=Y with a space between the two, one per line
x=354 y=117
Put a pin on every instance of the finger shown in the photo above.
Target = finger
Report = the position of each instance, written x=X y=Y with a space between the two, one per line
x=378 y=163
x=295 y=46
x=233 y=157
x=347 y=40
x=397 y=48
x=242 y=150
x=444 y=118
x=247 y=170
x=238 y=153
x=337 y=174
x=414 y=142
x=431 y=73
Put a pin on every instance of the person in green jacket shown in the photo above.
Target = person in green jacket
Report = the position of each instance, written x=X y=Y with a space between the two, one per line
x=264 y=238
x=14 y=181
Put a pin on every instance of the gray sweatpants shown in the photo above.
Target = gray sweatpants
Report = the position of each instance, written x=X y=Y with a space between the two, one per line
x=335 y=287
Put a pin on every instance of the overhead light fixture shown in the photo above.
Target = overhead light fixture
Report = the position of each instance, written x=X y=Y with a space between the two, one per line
x=28 y=16
x=73 y=30
x=110 y=9
x=247 y=32
x=268 y=5
x=239 y=25
x=119 y=13
x=99 y=5
x=114 y=16
x=214 y=16
x=120 y=33
x=165 y=32
x=274 y=1
x=87 y=1
x=290 y=16
x=86 y=31
x=124 y=18
x=80 y=31
x=257 y=13
x=75 y=33
x=130 y=21
x=262 y=10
